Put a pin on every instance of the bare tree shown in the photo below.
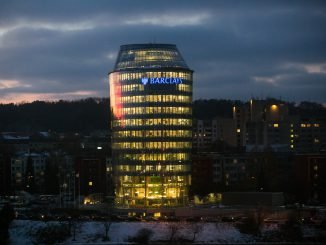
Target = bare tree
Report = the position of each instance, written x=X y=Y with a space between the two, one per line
x=253 y=223
x=196 y=228
x=74 y=226
x=107 y=225
x=143 y=236
x=173 y=228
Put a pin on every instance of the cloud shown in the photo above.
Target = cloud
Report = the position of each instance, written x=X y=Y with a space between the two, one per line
x=169 y=19
x=268 y=80
x=9 y=84
x=313 y=68
x=236 y=49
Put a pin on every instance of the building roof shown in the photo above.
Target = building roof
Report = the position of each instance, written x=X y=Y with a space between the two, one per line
x=149 y=56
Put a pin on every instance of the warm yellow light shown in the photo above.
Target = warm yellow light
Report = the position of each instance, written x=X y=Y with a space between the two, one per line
x=316 y=140
x=87 y=201
x=275 y=125
x=291 y=146
x=233 y=109
x=273 y=107
x=316 y=125
x=291 y=135
x=238 y=130
x=90 y=183
x=303 y=125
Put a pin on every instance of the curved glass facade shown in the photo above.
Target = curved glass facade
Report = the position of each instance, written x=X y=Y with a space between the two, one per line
x=151 y=108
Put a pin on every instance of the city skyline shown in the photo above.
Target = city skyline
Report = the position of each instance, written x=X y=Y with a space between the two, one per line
x=64 y=50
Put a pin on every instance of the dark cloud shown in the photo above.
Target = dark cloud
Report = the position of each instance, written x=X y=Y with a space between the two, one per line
x=237 y=49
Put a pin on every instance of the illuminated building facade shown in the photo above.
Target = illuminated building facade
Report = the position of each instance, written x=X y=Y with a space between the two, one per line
x=151 y=108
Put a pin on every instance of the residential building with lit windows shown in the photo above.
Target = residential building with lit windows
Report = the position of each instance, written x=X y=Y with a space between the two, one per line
x=26 y=168
x=207 y=133
x=216 y=172
x=262 y=124
x=151 y=108
x=310 y=177
x=309 y=135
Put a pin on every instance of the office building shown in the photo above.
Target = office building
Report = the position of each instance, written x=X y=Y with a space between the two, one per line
x=151 y=108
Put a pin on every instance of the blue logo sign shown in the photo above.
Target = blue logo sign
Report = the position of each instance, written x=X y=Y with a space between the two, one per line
x=161 y=80
x=144 y=80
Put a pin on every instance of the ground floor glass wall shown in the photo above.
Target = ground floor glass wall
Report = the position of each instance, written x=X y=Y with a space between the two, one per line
x=152 y=190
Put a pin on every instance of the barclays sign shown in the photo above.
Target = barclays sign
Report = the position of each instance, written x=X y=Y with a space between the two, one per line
x=161 y=80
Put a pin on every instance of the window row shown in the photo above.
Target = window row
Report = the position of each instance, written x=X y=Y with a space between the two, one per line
x=154 y=110
x=132 y=87
x=152 y=122
x=184 y=87
x=152 y=133
x=156 y=98
x=152 y=145
x=158 y=167
x=139 y=75
x=156 y=157
x=154 y=180
x=140 y=87
x=140 y=55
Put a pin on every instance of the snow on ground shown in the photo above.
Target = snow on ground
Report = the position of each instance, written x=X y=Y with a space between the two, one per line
x=22 y=231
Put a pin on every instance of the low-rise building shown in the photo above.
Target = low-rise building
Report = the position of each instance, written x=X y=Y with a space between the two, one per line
x=27 y=171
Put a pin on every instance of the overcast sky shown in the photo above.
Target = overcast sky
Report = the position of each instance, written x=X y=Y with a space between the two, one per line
x=63 y=49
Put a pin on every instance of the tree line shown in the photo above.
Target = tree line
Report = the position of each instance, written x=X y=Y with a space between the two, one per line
x=92 y=114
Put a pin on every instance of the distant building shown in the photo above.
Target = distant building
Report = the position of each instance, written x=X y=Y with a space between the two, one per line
x=207 y=133
x=213 y=172
x=64 y=166
x=18 y=142
x=310 y=177
x=262 y=124
x=92 y=174
x=202 y=174
x=43 y=141
x=28 y=169
x=267 y=124
x=309 y=135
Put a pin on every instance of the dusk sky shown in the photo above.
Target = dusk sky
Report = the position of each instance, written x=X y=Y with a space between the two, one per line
x=64 y=49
